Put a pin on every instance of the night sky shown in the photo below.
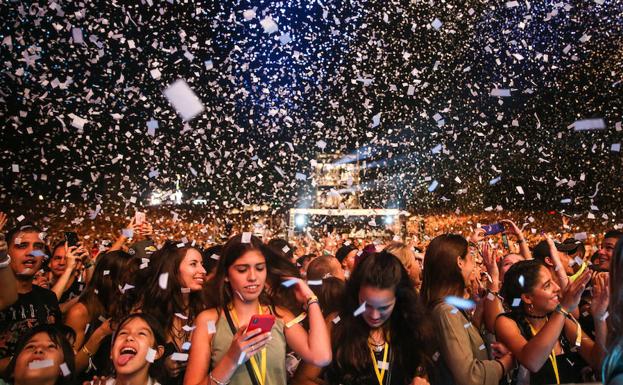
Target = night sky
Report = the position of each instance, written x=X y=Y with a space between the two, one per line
x=407 y=85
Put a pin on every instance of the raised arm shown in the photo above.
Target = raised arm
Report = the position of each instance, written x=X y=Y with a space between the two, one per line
x=313 y=347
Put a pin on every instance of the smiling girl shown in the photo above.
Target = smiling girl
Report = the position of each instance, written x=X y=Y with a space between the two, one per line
x=173 y=294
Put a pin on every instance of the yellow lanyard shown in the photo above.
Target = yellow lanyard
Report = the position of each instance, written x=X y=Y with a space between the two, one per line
x=380 y=374
x=552 y=356
x=260 y=375
x=576 y=275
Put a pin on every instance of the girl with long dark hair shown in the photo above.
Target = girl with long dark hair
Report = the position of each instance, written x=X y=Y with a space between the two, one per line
x=382 y=334
x=539 y=330
x=248 y=282
x=173 y=294
x=463 y=357
x=612 y=373
x=108 y=297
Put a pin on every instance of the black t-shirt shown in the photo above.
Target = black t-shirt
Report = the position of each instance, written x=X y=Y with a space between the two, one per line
x=37 y=307
x=72 y=291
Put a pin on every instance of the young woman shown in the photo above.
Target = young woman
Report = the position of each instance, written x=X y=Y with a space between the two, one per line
x=43 y=356
x=462 y=357
x=613 y=363
x=539 y=331
x=108 y=296
x=381 y=335
x=173 y=294
x=222 y=351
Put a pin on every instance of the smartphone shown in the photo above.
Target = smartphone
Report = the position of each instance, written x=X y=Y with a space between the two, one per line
x=505 y=241
x=71 y=238
x=493 y=229
x=139 y=218
x=264 y=322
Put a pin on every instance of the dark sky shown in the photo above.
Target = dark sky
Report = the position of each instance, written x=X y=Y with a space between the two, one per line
x=400 y=78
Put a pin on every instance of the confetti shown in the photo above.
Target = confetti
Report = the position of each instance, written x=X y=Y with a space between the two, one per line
x=184 y=100
x=177 y=356
x=40 y=364
x=64 y=369
x=460 y=303
x=360 y=310
x=151 y=355
x=163 y=281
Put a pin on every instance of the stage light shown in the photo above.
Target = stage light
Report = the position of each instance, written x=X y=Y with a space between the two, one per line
x=389 y=220
x=300 y=221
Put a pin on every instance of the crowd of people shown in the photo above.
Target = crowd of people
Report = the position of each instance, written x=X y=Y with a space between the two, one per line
x=452 y=304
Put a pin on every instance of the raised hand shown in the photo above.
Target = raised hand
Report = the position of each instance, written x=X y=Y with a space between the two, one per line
x=571 y=295
x=601 y=296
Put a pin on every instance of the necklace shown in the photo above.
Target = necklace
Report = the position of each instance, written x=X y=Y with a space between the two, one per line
x=376 y=346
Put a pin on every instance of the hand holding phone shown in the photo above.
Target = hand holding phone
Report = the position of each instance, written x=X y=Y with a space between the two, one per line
x=264 y=322
x=493 y=229
x=71 y=238
x=139 y=218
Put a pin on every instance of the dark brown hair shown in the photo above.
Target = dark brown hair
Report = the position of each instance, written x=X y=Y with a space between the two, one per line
x=441 y=275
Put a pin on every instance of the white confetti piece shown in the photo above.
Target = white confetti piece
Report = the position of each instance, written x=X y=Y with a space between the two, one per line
x=482 y=347
x=433 y=186
x=436 y=24
x=181 y=316
x=64 y=369
x=185 y=290
x=436 y=356
x=516 y=302
x=491 y=297
x=211 y=327
x=155 y=73
x=177 y=356
x=360 y=310
x=40 y=364
x=249 y=14
x=106 y=272
x=467 y=325
x=317 y=282
x=521 y=280
x=21 y=217
x=588 y=124
x=246 y=238
x=242 y=357
x=215 y=257
x=184 y=100
x=76 y=34
x=336 y=319
x=151 y=355
x=126 y=287
x=500 y=92
x=163 y=281
x=604 y=316
x=290 y=282
x=460 y=303
x=269 y=25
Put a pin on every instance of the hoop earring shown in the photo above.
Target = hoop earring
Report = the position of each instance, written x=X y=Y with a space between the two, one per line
x=531 y=308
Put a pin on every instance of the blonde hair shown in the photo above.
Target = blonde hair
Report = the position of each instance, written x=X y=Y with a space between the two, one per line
x=402 y=252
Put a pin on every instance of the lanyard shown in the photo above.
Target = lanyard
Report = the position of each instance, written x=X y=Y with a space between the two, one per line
x=259 y=374
x=552 y=355
x=380 y=374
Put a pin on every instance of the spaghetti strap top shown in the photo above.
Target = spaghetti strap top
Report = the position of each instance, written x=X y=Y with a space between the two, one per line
x=275 y=354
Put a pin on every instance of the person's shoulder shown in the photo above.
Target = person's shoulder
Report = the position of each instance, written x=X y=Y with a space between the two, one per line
x=211 y=314
x=77 y=310
x=41 y=292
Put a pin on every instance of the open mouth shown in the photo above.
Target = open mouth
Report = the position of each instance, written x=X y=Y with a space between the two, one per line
x=252 y=287
x=199 y=280
x=126 y=354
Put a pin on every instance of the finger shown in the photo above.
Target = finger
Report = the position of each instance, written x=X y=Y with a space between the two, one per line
x=257 y=338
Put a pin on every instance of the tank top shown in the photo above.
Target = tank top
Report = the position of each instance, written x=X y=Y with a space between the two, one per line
x=569 y=363
x=275 y=354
